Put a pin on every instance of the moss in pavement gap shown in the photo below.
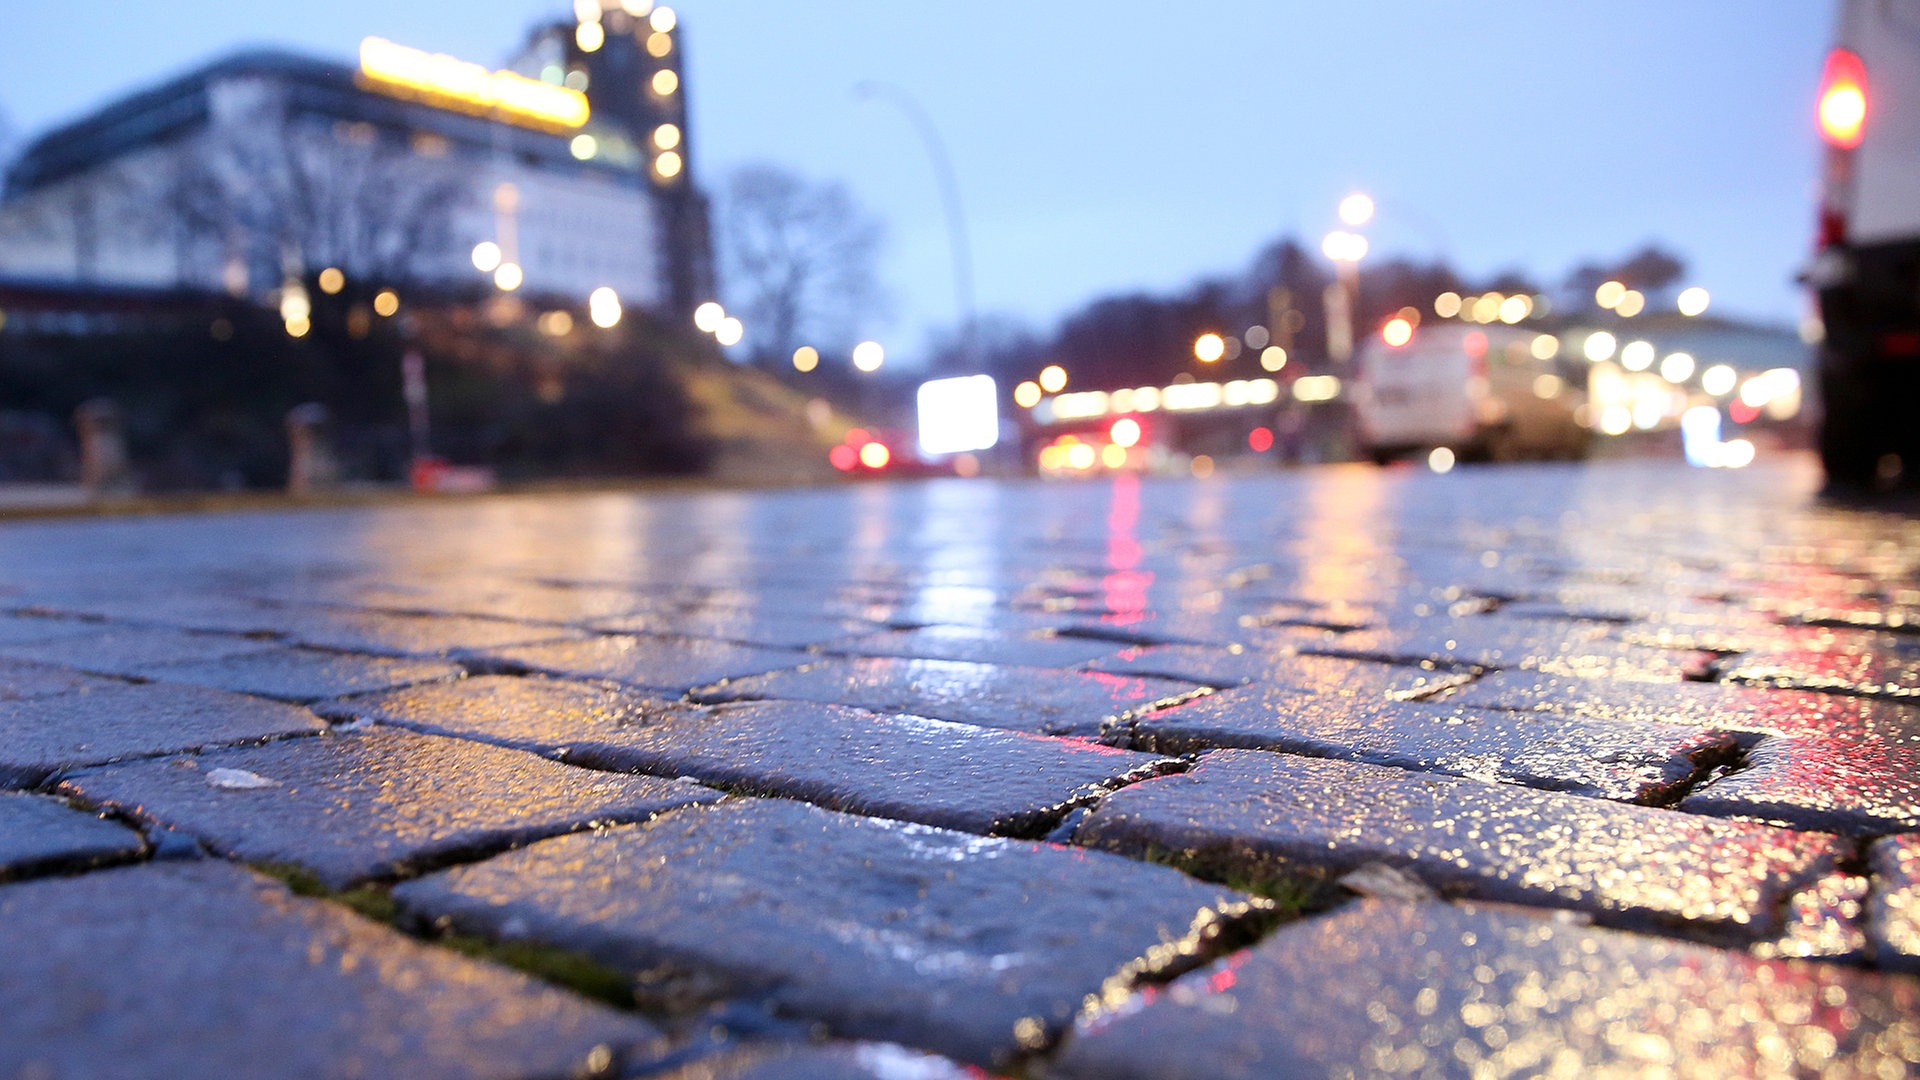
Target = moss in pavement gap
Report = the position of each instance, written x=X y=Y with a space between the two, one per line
x=372 y=901
x=584 y=976
x=1294 y=894
x=572 y=971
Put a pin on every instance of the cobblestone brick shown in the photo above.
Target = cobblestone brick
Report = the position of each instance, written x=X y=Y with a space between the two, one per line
x=672 y=665
x=374 y=803
x=1390 y=989
x=1245 y=812
x=201 y=969
x=45 y=735
x=39 y=834
x=1040 y=700
x=963 y=945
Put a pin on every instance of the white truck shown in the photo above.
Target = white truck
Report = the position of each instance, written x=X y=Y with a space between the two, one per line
x=1479 y=391
x=1866 y=267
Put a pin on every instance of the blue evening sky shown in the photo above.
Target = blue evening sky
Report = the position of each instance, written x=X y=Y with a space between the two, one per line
x=1106 y=145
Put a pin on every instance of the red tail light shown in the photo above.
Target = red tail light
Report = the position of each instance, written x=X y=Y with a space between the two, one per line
x=1475 y=344
x=1843 y=100
x=1833 y=228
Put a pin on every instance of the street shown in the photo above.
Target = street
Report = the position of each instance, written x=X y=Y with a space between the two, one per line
x=1519 y=770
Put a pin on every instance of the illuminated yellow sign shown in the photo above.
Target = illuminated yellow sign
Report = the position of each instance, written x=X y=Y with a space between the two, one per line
x=439 y=79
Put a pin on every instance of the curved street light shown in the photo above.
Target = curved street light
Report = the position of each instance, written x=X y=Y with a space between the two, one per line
x=950 y=197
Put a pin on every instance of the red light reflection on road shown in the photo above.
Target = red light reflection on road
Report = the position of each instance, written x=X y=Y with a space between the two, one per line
x=1124 y=587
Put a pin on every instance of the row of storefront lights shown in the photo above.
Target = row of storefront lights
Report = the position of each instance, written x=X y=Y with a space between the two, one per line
x=1178 y=397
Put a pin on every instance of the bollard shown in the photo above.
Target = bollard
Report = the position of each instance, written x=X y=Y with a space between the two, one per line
x=105 y=469
x=311 y=463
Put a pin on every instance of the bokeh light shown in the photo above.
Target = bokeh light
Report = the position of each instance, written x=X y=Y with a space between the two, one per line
x=706 y=317
x=1719 y=380
x=603 y=307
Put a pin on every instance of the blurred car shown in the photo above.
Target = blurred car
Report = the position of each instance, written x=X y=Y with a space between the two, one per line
x=1866 y=266
x=886 y=452
x=1478 y=391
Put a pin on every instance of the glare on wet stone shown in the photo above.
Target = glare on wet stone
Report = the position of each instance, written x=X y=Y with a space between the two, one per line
x=1821 y=761
x=372 y=803
x=1544 y=628
x=966 y=945
x=667 y=664
x=1631 y=761
x=911 y=768
x=1396 y=989
x=1040 y=700
x=1246 y=813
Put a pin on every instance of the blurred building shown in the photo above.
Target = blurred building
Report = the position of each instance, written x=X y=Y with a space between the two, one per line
x=569 y=171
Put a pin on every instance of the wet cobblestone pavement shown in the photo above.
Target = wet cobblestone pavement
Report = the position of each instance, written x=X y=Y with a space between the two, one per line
x=1345 y=772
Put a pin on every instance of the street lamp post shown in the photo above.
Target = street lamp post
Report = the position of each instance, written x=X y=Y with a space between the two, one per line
x=1342 y=297
x=950 y=198
x=1346 y=249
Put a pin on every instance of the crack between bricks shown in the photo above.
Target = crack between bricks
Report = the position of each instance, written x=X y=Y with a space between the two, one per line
x=1725 y=755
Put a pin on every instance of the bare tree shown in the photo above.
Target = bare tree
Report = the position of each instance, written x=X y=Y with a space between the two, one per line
x=302 y=193
x=802 y=260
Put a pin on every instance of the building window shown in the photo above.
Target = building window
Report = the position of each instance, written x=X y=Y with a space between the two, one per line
x=428 y=145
